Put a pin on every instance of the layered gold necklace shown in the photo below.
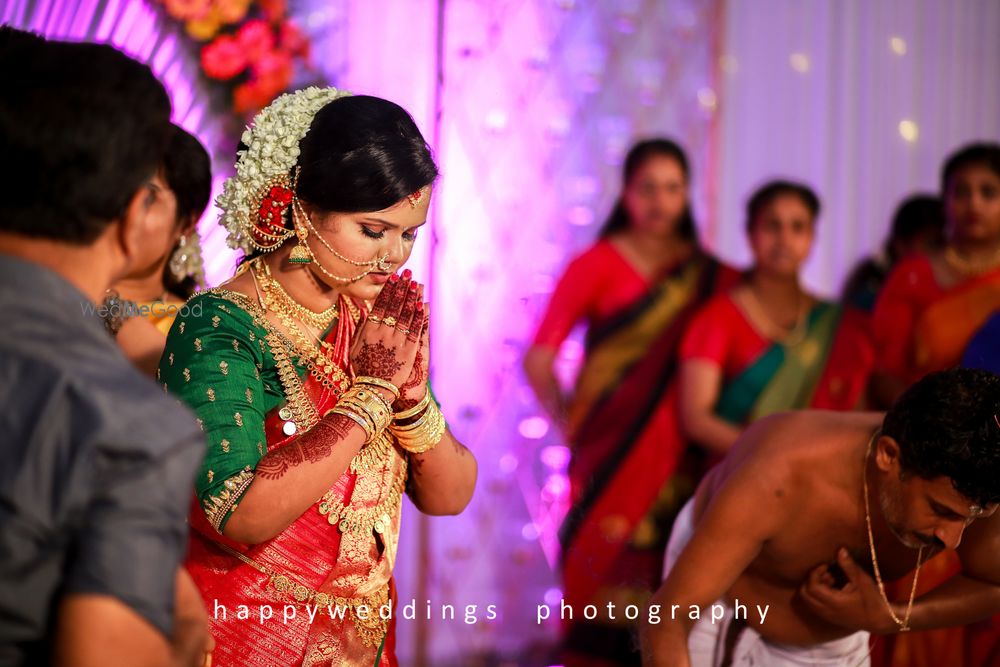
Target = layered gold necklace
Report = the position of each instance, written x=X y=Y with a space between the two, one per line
x=311 y=318
x=317 y=355
x=779 y=334
x=970 y=267
x=319 y=358
x=903 y=623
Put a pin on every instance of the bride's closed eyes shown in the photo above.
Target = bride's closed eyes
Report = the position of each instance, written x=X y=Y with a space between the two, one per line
x=372 y=234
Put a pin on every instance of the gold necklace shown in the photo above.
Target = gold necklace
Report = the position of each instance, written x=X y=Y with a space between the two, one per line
x=791 y=338
x=903 y=623
x=319 y=359
x=378 y=518
x=319 y=320
x=967 y=266
x=378 y=453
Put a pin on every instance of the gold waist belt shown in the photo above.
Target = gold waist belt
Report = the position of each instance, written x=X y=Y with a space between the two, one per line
x=370 y=629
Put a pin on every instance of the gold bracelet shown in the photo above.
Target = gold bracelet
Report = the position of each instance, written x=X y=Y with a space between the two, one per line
x=412 y=426
x=426 y=440
x=379 y=382
x=358 y=386
x=372 y=403
x=362 y=422
x=360 y=410
x=415 y=410
x=424 y=434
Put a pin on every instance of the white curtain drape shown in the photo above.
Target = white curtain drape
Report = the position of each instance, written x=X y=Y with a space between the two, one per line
x=861 y=99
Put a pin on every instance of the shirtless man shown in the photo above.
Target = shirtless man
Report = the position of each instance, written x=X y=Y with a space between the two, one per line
x=781 y=523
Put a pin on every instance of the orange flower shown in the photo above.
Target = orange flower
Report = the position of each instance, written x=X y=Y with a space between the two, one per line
x=250 y=97
x=256 y=38
x=232 y=11
x=205 y=27
x=184 y=10
x=223 y=59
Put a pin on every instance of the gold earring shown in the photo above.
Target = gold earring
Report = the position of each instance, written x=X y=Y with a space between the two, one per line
x=301 y=254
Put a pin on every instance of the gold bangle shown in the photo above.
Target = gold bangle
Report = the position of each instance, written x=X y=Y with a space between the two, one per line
x=360 y=410
x=357 y=386
x=415 y=410
x=425 y=442
x=413 y=426
x=379 y=382
x=424 y=434
x=362 y=422
x=372 y=403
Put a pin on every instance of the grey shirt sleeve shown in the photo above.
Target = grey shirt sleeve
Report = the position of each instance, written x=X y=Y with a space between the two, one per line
x=133 y=533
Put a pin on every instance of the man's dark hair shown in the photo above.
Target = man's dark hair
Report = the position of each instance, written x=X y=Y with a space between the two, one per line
x=82 y=127
x=946 y=426
x=17 y=44
x=770 y=191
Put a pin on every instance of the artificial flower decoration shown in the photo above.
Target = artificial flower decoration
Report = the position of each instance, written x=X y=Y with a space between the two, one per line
x=251 y=47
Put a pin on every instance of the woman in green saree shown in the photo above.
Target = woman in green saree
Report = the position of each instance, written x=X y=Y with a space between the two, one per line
x=768 y=345
x=308 y=372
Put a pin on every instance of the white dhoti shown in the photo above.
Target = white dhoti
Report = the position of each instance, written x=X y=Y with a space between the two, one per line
x=732 y=642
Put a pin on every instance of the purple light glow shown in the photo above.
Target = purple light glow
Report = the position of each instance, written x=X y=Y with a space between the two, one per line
x=534 y=428
x=556 y=457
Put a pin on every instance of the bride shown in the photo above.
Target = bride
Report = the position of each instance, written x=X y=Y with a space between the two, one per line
x=308 y=372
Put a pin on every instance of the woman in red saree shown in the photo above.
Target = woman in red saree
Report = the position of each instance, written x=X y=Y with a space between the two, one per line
x=928 y=313
x=635 y=289
x=768 y=345
x=316 y=408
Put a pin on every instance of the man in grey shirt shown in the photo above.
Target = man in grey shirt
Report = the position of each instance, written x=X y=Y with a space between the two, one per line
x=96 y=462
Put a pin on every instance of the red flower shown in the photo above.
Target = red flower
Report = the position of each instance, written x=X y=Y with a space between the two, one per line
x=280 y=195
x=256 y=38
x=273 y=72
x=274 y=10
x=292 y=39
x=223 y=59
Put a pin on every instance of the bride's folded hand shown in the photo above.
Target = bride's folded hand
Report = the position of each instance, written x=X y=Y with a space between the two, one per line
x=386 y=344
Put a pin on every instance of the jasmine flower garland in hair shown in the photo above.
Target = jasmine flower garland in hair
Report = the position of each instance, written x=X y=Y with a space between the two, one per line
x=272 y=151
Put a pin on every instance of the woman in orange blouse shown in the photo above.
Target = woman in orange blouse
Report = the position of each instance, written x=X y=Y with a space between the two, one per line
x=933 y=304
x=927 y=315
